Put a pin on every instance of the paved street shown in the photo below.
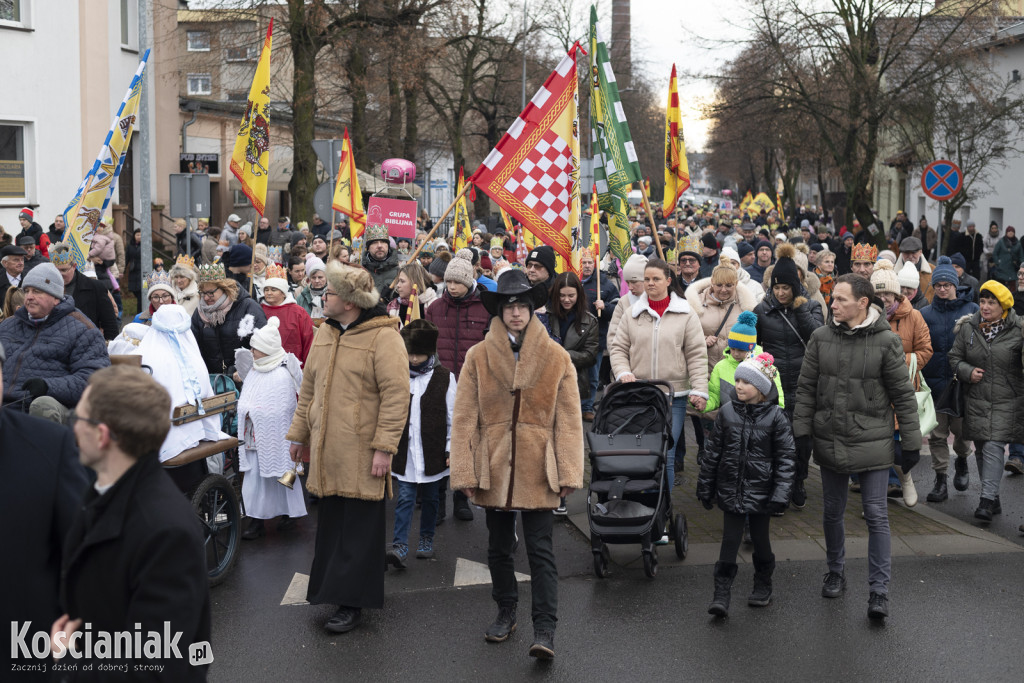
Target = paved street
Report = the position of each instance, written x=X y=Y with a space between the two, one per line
x=956 y=603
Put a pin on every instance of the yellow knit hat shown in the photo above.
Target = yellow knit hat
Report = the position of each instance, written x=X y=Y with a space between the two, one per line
x=1001 y=293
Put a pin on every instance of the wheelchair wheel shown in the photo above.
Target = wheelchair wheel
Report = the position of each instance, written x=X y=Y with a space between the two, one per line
x=216 y=503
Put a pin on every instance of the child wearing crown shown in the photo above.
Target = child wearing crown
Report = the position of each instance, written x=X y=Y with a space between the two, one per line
x=183 y=279
x=296 y=327
x=749 y=469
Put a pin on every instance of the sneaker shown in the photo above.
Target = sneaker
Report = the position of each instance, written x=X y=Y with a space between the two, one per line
x=397 y=554
x=799 y=497
x=1014 y=466
x=834 y=585
x=543 y=645
x=503 y=625
x=662 y=541
x=962 y=478
x=677 y=480
x=425 y=550
x=878 y=606
x=560 y=510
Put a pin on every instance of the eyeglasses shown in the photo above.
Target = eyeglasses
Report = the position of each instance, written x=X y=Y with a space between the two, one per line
x=209 y=293
x=688 y=260
x=161 y=296
x=328 y=293
x=950 y=285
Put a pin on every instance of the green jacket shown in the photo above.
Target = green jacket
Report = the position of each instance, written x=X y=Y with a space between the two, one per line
x=994 y=407
x=850 y=382
x=723 y=379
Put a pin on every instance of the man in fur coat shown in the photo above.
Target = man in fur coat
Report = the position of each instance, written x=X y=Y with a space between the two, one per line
x=352 y=410
x=517 y=445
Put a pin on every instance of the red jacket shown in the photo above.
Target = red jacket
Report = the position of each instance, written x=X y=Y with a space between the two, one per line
x=460 y=325
x=296 y=328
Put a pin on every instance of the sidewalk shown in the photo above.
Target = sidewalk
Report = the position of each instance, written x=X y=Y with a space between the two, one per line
x=797 y=535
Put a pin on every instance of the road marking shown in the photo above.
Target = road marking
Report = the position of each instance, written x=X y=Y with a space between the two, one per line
x=296 y=593
x=469 y=573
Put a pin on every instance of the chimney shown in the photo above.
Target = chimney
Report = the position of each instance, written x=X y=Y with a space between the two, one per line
x=620 y=52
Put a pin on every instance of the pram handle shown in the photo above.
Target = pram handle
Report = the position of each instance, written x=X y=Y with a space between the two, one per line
x=663 y=383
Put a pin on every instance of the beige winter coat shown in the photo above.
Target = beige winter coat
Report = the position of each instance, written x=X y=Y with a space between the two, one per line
x=354 y=400
x=712 y=314
x=622 y=308
x=670 y=348
x=517 y=429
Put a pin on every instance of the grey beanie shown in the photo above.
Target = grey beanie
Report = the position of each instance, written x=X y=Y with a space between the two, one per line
x=438 y=267
x=46 y=278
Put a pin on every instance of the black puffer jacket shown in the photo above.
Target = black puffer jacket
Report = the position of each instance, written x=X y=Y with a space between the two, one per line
x=786 y=339
x=751 y=460
x=382 y=272
x=217 y=344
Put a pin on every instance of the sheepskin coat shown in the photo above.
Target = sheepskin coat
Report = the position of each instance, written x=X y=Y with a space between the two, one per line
x=671 y=348
x=712 y=315
x=517 y=430
x=354 y=400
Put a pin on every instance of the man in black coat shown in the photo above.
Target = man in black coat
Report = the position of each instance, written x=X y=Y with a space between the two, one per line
x=134 y=559
x=39 y=496
x=33 y=257
x=603 y=309
x=90 y=297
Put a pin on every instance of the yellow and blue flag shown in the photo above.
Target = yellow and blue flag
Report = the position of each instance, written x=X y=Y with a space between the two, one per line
x=83 y=214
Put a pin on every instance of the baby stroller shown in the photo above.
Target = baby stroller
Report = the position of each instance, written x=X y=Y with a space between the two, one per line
x=629 y=497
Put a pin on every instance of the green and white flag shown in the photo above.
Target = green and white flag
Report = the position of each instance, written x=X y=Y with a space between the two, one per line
x=615 y=161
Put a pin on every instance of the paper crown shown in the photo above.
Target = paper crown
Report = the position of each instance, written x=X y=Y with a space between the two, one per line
x=497 y=243
x=691 y=244
x=158 y=277
x=60 y=254
x=186 y=262
x=211 y=272
x=864 y=252
x=276 y=254
x=276 y=271
x=375 y=232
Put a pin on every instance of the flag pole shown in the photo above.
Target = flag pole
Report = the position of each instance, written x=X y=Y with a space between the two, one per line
x=252 y=262
x=654 y=228
x=416 y=252
x=330 y=238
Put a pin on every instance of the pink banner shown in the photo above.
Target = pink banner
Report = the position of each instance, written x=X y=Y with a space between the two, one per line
x=399 y=215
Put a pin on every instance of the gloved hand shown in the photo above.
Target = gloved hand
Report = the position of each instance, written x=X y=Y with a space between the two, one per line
x=708 y=504
x=910 y=458
x=36 y=387
x=775 y=507
x=803 y=448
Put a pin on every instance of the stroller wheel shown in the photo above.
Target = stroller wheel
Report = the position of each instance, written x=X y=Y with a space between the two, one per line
x=601 y=562
x=651 y=563
x=681 y=534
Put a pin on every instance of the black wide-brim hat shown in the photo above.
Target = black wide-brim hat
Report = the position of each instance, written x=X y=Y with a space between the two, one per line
x=513 y=286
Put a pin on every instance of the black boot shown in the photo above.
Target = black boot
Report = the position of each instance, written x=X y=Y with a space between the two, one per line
x=761 y=596
x=962 y=478
x=985 y=509
x=255 y=529
x=504 y=624
x=939 y=492
x=460 y=507
x=725 y=573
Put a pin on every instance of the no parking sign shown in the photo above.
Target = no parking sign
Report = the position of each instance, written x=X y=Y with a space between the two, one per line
x=941 y=180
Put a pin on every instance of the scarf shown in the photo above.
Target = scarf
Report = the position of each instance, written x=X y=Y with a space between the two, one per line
x=991 y=329
x=423 y=368
x=176 y=337
x=890 y=311
x=268 y=363
x=316 y=296
x=215 y=313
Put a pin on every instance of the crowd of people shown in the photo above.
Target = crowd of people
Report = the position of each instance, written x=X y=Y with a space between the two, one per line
x=378 y=364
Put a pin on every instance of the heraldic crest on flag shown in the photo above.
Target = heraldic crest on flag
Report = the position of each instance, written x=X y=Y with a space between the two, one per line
x=83 y=213
x=250 y=160
x=533 y=172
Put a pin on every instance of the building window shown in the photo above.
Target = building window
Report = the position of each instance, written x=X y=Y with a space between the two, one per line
x=240 y=199
x=199 y=84
x=238 y=95
x=12 y=161
x=198 y=41
x=10 y=10
x=241 y=54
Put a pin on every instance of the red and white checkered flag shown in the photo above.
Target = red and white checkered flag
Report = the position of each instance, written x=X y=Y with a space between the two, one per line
x=533 y=173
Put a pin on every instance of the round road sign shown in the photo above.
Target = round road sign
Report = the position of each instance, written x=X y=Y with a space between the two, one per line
x=941 y=180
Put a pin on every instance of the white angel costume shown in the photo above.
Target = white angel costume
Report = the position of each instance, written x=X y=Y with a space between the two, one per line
x=265 y=410
x=171 y=351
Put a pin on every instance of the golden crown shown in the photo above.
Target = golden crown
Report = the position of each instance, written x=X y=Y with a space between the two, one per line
x=274 y=270
x=211 y=272
x=60 y=254
x=186 y=261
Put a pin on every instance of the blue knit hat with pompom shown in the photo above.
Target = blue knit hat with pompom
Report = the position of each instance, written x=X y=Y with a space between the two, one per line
x=944 y=272
x=743 y=334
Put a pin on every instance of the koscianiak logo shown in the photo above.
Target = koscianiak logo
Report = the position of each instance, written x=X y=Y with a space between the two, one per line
x=88 y=650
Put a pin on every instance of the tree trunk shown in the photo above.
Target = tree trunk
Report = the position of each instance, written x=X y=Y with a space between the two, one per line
x=410 y=147
x=304 y=179
x=355 y=68
x=394 y=109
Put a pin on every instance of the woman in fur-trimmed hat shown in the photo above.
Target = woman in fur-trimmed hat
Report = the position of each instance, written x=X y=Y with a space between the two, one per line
x=357 y=365
x=185 y=285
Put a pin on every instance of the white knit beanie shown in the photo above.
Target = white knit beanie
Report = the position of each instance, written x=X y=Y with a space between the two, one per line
x=909 y=276
x=633 y=271
x=268 y=338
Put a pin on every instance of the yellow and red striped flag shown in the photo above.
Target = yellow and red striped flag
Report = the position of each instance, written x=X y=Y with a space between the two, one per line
x=677 y=170
x=348 y=199
x=778 y=204
x=250 y=160
x=595 y=225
